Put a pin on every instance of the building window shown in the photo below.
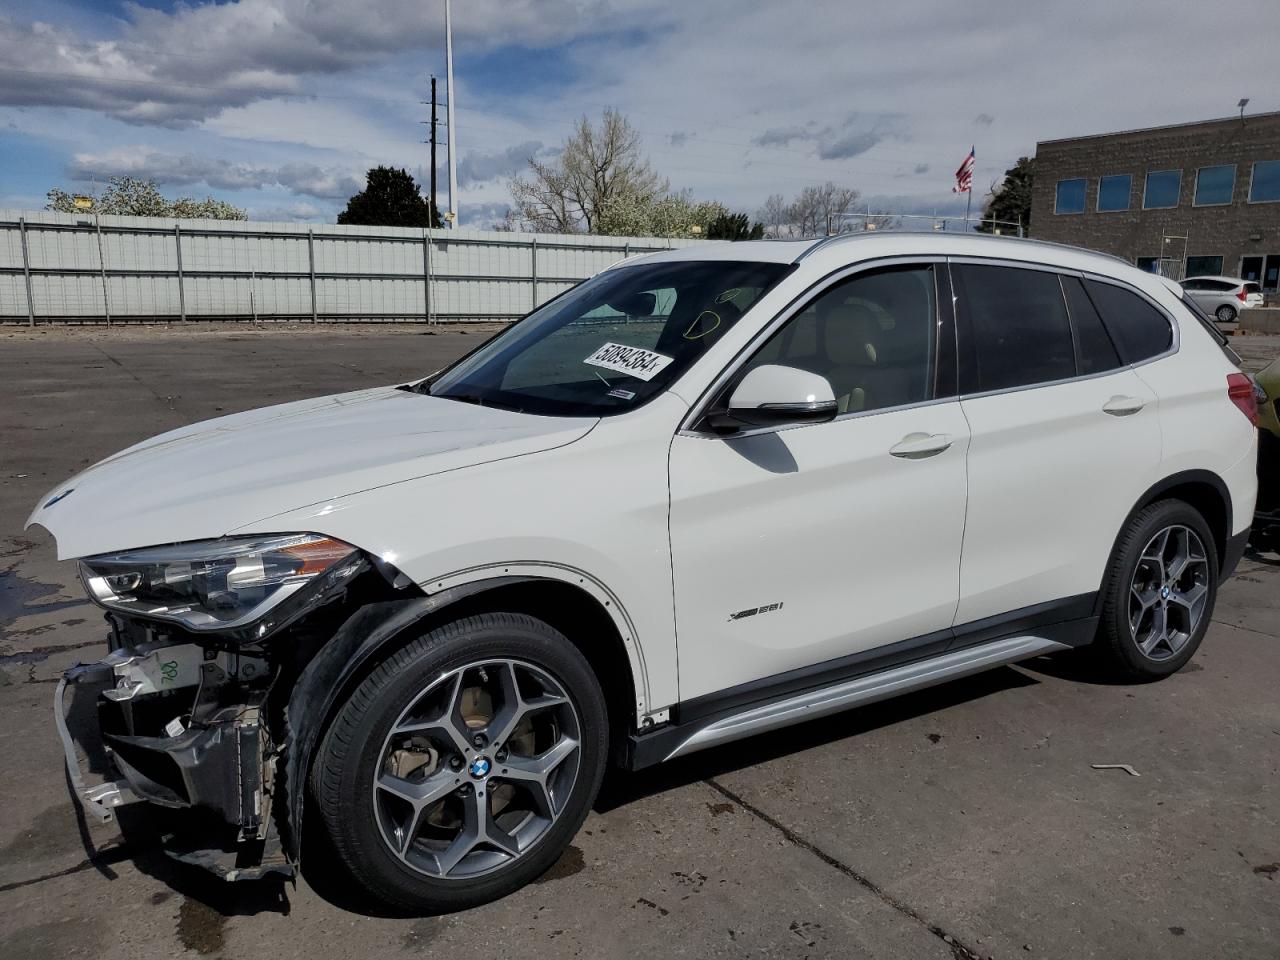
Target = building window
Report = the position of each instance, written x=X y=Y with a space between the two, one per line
x=1114 y=193
x=1265 y=185
x=1204 y=266
x=1215 y=185
x=1148 y=264
x=1070 y=197
x=1162 y=189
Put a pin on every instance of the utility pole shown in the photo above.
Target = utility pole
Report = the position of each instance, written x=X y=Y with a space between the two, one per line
x=449 y=122
x=435 y=210
x=433 y=123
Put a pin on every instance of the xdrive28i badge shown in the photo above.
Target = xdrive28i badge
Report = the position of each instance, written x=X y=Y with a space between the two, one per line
x=753 y=611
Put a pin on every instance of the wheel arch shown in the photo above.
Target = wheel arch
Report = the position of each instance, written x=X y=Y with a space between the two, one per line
x=1202 y=489
x=571 y=602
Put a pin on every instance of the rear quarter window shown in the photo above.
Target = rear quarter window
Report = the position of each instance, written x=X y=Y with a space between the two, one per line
x=1137 y=328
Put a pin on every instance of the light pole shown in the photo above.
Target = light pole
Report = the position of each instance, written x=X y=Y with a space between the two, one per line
x=450 y=122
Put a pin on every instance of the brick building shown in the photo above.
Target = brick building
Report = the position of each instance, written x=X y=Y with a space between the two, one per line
x=1194 y=199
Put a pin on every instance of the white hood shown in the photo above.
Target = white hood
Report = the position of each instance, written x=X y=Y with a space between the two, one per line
x=207 y=479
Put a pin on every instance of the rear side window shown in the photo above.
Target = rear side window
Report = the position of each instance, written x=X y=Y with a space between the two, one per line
x=1015 y=326
x=1139 y=330
x=1095 y=353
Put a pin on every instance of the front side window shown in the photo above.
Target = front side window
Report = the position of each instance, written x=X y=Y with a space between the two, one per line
x=1264 y=187
x=1204 y=267
x=1070 y=196
x=1215 y=185
x=1162 y=189
x=1138 y=328
x=1114 y=192
x=1014 y=328
x=611 y=343
x=872 y=336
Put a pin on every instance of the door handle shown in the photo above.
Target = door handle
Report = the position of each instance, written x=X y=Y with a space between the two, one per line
x=917 y=446
x=1119 y=406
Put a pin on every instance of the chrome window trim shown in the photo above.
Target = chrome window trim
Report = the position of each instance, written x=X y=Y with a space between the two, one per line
x=1175 y=341
x=798 y=304
x=1195 y=185
x=698 y=408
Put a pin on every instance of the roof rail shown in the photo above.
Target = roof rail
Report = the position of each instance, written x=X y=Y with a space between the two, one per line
x=824 y=242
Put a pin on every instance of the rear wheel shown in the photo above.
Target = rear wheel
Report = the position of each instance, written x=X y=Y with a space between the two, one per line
x=1159 y=593
x=1225 y=313
x=461 y=768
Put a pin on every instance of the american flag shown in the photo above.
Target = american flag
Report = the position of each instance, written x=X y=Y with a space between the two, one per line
x=964 y=176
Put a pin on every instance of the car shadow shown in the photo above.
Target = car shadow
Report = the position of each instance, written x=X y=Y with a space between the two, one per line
x=622 y=787
x=210 y=900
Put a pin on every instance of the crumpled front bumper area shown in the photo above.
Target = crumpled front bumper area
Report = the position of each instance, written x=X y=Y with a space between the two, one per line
x=184 y=727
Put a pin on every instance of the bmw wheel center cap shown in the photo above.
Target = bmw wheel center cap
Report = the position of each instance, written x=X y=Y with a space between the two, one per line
x=480 y=767
x=1164 y=593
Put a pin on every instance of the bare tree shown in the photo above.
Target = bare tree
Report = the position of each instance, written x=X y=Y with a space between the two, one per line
x=776 y=217
x=596 y=168
x=816 y=211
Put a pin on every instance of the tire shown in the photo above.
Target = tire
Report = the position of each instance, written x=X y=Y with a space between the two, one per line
x=1140 y=586
x=503 y=756
x=1225 y=313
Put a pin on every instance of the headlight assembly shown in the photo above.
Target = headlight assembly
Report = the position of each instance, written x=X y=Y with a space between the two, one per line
x=220 y=585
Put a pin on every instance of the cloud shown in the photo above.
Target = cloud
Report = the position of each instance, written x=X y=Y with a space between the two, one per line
x=483 y=216
x=849 y=145
x=479 y=167
x=920 y=168
x=985 y=119
x=680 y=138
x=181 y=66
x=856 y=134
x=190 y=169
x=291 y=212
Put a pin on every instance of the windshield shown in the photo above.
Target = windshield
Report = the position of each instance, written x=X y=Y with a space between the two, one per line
x=611 y=343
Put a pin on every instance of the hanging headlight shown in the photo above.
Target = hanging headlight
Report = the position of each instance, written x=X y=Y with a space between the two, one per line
x=220 y=585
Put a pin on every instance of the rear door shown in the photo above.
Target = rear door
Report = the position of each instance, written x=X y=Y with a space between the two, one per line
x=1065 y=437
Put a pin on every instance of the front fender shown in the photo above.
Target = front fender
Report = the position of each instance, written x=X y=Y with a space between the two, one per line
x=325 y=678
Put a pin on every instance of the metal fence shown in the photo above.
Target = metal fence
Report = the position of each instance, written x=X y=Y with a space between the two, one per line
x=66 y=268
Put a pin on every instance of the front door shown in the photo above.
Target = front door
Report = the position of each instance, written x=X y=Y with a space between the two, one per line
x=796 y=547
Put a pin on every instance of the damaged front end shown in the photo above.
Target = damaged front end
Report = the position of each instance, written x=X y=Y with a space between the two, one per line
x=192 y=699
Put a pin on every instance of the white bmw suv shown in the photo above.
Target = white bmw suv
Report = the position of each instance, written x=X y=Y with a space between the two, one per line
x=706 y=493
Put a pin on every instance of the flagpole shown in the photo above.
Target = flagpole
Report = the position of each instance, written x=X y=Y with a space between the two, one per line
x=968 y=204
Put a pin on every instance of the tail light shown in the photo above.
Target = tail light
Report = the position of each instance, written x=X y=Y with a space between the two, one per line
x=1240 y=392
x=1242 y=296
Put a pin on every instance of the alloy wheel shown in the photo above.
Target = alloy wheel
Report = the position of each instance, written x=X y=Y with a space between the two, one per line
x=477 y=769
x=1169 y=592
x=1226 y=313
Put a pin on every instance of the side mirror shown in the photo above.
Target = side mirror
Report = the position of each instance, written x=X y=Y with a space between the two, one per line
x=773 y=395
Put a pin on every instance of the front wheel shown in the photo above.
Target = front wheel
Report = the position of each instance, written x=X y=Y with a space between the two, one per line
x=463 y=765
x=1159 y=592
x=1225 y=313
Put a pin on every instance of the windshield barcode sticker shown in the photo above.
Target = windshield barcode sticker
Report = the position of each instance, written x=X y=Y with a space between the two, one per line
x=633 y=361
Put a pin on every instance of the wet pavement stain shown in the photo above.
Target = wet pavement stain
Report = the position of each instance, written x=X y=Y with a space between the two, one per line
x=570 y=862
x=423 y=933
x=50 y=834
x=200 y=927
x=18 y=598
x=719 y=808
x=59 y=938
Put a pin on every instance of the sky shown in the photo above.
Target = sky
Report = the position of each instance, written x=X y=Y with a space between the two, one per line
x=280 y=106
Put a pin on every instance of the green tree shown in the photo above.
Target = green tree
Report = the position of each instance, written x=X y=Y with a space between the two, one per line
x=132 y=197
x=391 y=198
x=1010 y=200
x=734 y=226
